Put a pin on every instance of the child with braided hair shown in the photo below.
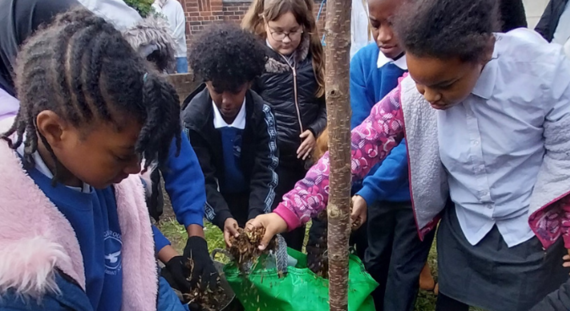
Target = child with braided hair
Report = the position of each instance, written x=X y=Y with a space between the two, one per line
x=182 y=175
x=75 y=231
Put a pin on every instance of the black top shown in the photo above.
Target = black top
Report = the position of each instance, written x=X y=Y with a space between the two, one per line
x=277 y=88
x=512 y=15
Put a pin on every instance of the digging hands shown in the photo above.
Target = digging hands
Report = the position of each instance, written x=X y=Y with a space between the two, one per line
x=273 y=225
x=230 y=230
x=359 y=209
x=566 y=259
x=175 y=272
x=202 y=271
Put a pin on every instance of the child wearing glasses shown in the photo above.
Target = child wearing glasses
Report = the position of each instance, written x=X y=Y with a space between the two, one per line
x=292 y=84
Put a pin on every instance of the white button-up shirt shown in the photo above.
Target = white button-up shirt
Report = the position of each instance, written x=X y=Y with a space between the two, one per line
x=492 y=144
x=239 y=121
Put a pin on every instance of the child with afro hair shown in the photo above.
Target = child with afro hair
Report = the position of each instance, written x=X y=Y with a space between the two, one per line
x=231 y=128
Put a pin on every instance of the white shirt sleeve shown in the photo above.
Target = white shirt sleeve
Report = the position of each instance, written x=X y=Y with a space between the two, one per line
x=174 y=14
x=179 y=31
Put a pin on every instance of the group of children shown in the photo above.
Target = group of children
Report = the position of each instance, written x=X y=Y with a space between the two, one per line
x=476 y=108
x=446 y=143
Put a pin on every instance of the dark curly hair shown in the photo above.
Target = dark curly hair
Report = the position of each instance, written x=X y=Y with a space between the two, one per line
x=447 y=28
x=81 y=68
x=227 y=56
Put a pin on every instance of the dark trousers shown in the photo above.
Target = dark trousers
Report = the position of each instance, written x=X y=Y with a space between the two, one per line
x=445 y=303
x=395 y=255
x=318 y=237
x=288 y=177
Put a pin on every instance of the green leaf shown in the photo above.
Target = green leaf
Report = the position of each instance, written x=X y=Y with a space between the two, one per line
x=144 y=7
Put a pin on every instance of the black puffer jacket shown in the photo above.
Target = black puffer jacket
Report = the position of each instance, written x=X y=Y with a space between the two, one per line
x=277 y=87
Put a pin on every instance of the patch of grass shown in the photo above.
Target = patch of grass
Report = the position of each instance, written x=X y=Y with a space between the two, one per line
x=177 y=235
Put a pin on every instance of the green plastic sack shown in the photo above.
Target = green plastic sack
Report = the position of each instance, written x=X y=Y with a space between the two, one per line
x=300 y=289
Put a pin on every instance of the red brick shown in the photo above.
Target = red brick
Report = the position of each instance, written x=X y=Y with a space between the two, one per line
x=200 y=13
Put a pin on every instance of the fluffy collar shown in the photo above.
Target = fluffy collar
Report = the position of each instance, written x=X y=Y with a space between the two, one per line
x=36 y=240
x=275 y=62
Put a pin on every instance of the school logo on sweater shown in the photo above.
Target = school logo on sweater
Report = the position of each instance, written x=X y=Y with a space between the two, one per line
x=113 y=246
x=237 y=145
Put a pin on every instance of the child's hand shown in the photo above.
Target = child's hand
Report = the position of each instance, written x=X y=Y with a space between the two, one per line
x=359 y=209
x=230 y=229
x=273 y=224
x=307 y=145
x=566 y=259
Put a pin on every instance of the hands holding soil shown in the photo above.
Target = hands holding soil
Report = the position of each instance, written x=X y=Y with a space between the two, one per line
x=359 y=210
x=230 y=230
x=566 y=259
x=273 y=225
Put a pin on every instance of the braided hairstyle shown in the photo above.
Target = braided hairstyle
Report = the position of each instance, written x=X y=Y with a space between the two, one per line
x=81 y=68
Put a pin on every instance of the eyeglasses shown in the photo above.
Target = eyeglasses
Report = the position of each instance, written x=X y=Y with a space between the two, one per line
x=281 y=35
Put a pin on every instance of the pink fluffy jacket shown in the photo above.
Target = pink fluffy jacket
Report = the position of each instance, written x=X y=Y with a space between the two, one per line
x=36 y=239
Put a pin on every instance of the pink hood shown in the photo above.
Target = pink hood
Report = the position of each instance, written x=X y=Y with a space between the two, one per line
x=35 y=238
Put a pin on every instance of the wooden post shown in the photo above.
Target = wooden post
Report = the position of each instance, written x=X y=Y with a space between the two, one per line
x=337 y=55
x=184 y=83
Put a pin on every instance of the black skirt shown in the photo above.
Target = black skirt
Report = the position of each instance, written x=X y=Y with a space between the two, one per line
x=492 y=276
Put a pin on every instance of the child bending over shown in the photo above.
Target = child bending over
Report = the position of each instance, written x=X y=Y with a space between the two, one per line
x=74 y=227
x=231 y=128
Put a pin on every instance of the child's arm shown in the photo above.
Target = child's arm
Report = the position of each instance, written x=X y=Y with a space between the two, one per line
x=216 y=208
x=183 y=180
x=167 y=298
x=360 y=101
x=557 y=136
x=388 y=178
x=371 y=142
x=263 y=177
x=160 y=243
x=179 y=33
x=564 y=205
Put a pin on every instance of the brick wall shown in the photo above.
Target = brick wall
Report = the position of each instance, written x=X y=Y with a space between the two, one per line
x=200 y=13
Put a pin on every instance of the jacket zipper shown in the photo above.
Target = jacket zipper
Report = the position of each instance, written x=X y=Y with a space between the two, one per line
x=295 y=92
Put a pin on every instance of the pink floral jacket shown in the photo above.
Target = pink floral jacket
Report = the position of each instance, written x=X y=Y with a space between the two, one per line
x=372 y=141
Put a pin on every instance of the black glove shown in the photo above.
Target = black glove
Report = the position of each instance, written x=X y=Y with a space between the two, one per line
x=176 y=272
x=204 y=273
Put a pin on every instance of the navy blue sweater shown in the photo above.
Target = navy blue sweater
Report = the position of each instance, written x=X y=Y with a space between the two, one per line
x=234 y=181
x=368 y=85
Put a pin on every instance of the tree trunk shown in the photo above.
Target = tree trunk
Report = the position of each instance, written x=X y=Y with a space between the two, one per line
x=337 y=56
